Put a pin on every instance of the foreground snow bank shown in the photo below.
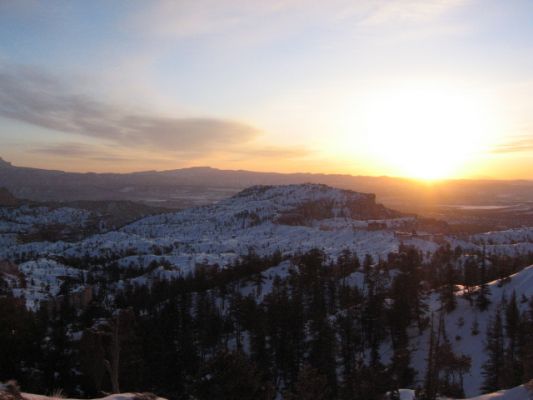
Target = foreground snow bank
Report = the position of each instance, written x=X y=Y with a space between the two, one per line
x=11 y=391
x=407 y=394
x=517 y=393
x=121 y=396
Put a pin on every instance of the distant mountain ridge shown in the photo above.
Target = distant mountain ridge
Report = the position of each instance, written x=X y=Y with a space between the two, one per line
x=204 y=185
x=4 y=163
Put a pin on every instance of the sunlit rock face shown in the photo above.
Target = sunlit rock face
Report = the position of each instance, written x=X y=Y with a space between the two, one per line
x=305 y=204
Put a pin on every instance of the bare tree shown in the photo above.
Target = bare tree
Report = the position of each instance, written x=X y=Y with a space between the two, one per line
x=102 y=348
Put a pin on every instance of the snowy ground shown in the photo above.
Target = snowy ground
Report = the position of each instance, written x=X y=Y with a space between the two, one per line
x=219 y=233
x=291 y=219
x=10 y=387
x=459 y=327
x=121 y=396
x=517 y=393
x=44 y=279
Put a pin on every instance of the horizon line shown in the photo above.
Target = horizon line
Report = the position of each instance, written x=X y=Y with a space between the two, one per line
x=419 y=180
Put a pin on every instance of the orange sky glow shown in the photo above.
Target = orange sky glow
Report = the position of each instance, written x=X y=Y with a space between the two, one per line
x=428 y=90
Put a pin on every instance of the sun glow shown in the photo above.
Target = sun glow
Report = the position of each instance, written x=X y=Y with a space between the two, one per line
x=427 y=132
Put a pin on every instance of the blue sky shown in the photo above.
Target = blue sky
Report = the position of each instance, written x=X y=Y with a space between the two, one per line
x=339 y=86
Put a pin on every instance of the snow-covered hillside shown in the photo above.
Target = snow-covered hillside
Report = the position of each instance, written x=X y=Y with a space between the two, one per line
x=292 y=218
x=25 y=218
x=517 y=393
x=459 y=325
x=26 y=221
x=287 y=221
x=265 y=219
x=511 y=242
x=288 y=218
x=44 y=279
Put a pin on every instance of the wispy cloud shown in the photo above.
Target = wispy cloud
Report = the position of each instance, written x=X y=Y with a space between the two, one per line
x=200 y=18
x=519 y=145
x=113 y=132
x=66 y=149
x=80 y=150
x=408 y=11
x=185 y=19
x=270 y=153
x=38 y=98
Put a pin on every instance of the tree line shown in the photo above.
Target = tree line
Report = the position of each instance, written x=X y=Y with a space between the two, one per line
x=323 y=329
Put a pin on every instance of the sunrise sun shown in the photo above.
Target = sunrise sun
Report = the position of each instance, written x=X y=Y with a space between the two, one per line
x=427 y=131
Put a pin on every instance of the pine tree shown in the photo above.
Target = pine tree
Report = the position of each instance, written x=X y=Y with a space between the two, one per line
x=445 y=369
x=493 y=367
x=527 y=344
x=348 y=328
x=451 y=367
x=483 y=293
x=483 y=297
x=399 y=316
x=447 y=290
x=230 y=375
x=430 y=381
x=311 y=385
x=470 y=278
x=474 y=331
x=513 y=365
x=106 y=341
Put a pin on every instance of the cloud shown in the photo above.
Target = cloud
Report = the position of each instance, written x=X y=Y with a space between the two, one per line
x=185 y=19
x=519 y=145
x=385 y=12
x=36 y=97
x=80 y=150
x=276 y=152
x=66 y=149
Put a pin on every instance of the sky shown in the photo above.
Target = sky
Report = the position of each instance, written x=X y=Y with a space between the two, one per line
x=426 y=89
